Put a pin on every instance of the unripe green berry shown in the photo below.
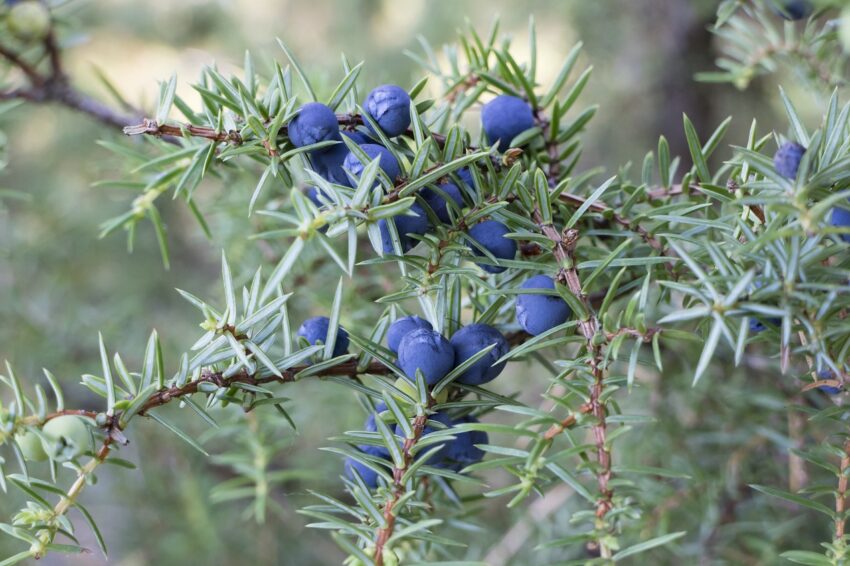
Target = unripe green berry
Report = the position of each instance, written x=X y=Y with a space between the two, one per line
x=390 y=557
x=69 y=437
x=29 y=21
x=406 y=386
x=31 y=446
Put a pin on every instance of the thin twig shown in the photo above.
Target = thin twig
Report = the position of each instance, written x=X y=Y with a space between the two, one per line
x=344 y=369
x=26 y=68
x=841 y=493
x=384 y=533
x=563 y=248
x=53 y=86
x=152 y=128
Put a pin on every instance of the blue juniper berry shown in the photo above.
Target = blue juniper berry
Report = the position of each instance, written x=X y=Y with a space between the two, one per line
x=427 y=351
x=539 y=313
x=315 y=330
x=504 y=118
x=490 y=235
x=470 y=340
x=389 y=106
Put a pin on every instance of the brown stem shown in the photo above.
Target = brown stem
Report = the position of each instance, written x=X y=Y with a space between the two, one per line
x=151 y=128
x=398 y=490
x=54 y=87
x=841 y=495
x=563 y=248
x=560 y=427
x=345 y=369
x=26 y=68
x=645 y=336
x=577 y=201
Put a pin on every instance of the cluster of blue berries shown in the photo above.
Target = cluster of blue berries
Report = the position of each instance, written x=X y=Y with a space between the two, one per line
x=455 y=454
x=421 y=349
x=388 y=106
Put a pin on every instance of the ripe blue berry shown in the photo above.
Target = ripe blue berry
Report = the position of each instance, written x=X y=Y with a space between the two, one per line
x=466 y=176
x=388 y=163
x=504 y=118
x=787 y=159
x=328 y=164
x=470 y=340
x=428 y=351
x=491 y=236
x=359 y=137
x=316 y=329
x=404 y=224
x=539 y=313
x=389 y=106
x=462 y=451
x=458 y=453
x=793 y=9
x=369 y=476
x=840 y=218
x=313 y=194
x=401 y=327
x=314 y=123
x=438 y=202
x=369 y=425
x=757 y=326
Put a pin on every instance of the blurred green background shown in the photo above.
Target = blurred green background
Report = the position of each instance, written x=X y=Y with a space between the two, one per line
x=60 y=284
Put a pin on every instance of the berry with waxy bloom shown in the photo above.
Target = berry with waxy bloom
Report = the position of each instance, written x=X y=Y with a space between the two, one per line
x=427 y=351
x=28 y=21
x=538 y=313
x=793 y=9
x=470 y=340
x=438 y=202
x=404 y=224
x=787 y=159
x=31 y=446
x=401 y=327
x=315 y=330
x=367 y=474
x=504 y=118
x=462 y=451
x=840 y=218
x=389 y=106
x=387 y=162
x=314 y=123
x=68 y=437
x=828 y=389
x=490 y=235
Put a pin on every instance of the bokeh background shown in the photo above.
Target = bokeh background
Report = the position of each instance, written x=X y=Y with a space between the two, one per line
x=60 y=284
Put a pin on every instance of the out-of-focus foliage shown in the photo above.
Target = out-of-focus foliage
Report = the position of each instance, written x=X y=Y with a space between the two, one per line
x=697 y=450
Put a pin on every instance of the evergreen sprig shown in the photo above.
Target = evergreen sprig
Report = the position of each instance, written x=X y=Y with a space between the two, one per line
x=736 y=258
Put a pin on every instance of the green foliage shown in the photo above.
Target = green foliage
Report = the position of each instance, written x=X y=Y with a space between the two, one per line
x=649 y=265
